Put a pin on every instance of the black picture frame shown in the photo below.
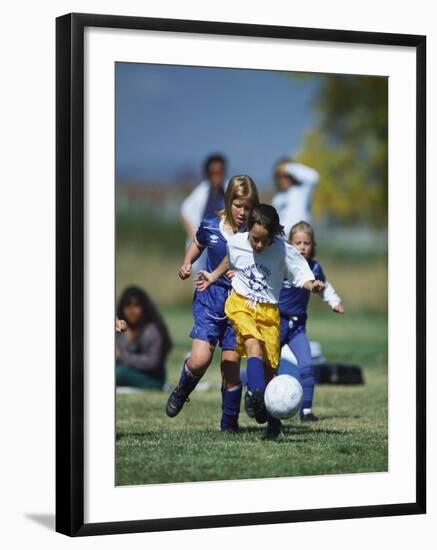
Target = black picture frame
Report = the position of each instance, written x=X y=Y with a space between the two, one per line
x=70 y=273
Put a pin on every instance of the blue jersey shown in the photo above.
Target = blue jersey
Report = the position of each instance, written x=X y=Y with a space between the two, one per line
x=215 y=202
x=210 y=235
x=294 y=301
x=210 y=322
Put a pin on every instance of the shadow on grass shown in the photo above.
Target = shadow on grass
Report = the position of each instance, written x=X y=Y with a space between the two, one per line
x=246 y=430
x=340 y=416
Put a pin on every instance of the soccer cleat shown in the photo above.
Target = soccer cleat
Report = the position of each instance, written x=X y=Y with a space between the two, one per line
x=259 y=407
x=274 y=428
x=176 y=401
x=248 y=405
x=309 y=417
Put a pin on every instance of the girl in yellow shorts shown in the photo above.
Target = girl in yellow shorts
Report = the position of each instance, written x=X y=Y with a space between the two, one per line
x=261 y=260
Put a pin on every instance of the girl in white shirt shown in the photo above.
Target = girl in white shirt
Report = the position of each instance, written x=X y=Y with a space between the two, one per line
x=295 y=183
x=261 y=260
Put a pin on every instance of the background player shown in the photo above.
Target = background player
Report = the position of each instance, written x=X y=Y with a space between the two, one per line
x=206 y=199
x=293 y=306
x=295 y=184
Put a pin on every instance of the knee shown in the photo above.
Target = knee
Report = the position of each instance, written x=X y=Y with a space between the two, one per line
x=254 y=348
x=199 y=362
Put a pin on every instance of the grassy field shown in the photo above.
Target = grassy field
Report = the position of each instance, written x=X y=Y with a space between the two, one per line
x=351 y=436
x=352 y=433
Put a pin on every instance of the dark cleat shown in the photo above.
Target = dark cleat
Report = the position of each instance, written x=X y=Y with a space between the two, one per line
x=176 y=401
x=248 y=405
x=309 y=417
x=274 y=429
x=259 y=407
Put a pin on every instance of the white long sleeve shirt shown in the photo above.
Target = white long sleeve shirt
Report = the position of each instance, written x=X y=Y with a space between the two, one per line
x=294 y=204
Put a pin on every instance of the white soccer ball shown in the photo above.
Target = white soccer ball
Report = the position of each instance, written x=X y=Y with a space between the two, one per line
x=283 y=396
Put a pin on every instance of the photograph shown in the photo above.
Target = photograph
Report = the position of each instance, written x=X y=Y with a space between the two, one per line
x=251 y=274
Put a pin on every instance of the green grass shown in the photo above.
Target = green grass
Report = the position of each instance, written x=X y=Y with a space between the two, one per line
x=351 y=436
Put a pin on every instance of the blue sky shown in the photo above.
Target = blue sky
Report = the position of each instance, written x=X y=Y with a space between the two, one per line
x=168 y=118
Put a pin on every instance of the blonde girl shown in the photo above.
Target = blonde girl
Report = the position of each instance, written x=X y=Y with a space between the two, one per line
x=211 y=327
x=293 y=306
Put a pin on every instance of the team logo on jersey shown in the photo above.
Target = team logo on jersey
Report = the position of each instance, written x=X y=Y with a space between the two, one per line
x=213 y=239
x=257 y=282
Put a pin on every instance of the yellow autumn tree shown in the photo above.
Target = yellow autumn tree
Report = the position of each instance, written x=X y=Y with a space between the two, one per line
x=349 y=149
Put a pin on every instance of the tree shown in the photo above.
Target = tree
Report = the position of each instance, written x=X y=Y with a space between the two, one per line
x=349 y=148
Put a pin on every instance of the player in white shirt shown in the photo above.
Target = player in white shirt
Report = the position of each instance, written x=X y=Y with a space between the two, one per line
x=295 y=184
x=261 y=260
x=206 y=199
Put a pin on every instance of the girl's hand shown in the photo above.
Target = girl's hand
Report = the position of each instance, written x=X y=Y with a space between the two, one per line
x=120 y=325
x=184 y=271
x=318 y=286
x=338 y=309
x=204 y=280
x=230 y=274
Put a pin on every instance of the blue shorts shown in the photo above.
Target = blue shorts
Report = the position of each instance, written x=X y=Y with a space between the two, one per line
x=290 y=326
x=210 y=322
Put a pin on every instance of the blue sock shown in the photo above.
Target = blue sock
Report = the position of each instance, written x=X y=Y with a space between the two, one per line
x=255 y=374
x=231 y=399
x=307 y=380
x=188 y=380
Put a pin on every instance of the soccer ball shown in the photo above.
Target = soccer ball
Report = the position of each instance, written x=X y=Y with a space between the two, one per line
x=283 y=396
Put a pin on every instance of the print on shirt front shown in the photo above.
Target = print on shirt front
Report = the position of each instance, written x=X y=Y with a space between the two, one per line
x=260 y=276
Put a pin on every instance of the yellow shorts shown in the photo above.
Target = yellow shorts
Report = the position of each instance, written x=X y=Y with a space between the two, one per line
x=256 y=320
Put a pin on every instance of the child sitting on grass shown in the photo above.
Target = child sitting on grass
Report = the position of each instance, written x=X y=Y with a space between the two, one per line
x=261 y=260
x=142 y=342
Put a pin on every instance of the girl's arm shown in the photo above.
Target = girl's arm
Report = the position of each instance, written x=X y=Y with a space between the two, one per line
x=332 y=298
x=298 y=272
x=206 y=279
x=193 y=252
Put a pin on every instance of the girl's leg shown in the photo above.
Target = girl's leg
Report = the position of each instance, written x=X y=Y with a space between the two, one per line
x=193 y=369
x=256 y=384
x=231 y=391
x=258 y=376
x=255 y=365
x=300 y=346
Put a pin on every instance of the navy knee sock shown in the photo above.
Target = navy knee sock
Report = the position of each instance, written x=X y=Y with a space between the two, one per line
x=255 y=374
x=231 y=399
x=307 y=380
x=188 y=380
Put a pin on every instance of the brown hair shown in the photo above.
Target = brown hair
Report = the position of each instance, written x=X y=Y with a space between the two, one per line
x=304 y=227
x=239 y=187
x=266 y=216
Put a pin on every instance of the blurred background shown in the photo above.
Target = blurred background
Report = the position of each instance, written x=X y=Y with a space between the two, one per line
x=169 y=118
